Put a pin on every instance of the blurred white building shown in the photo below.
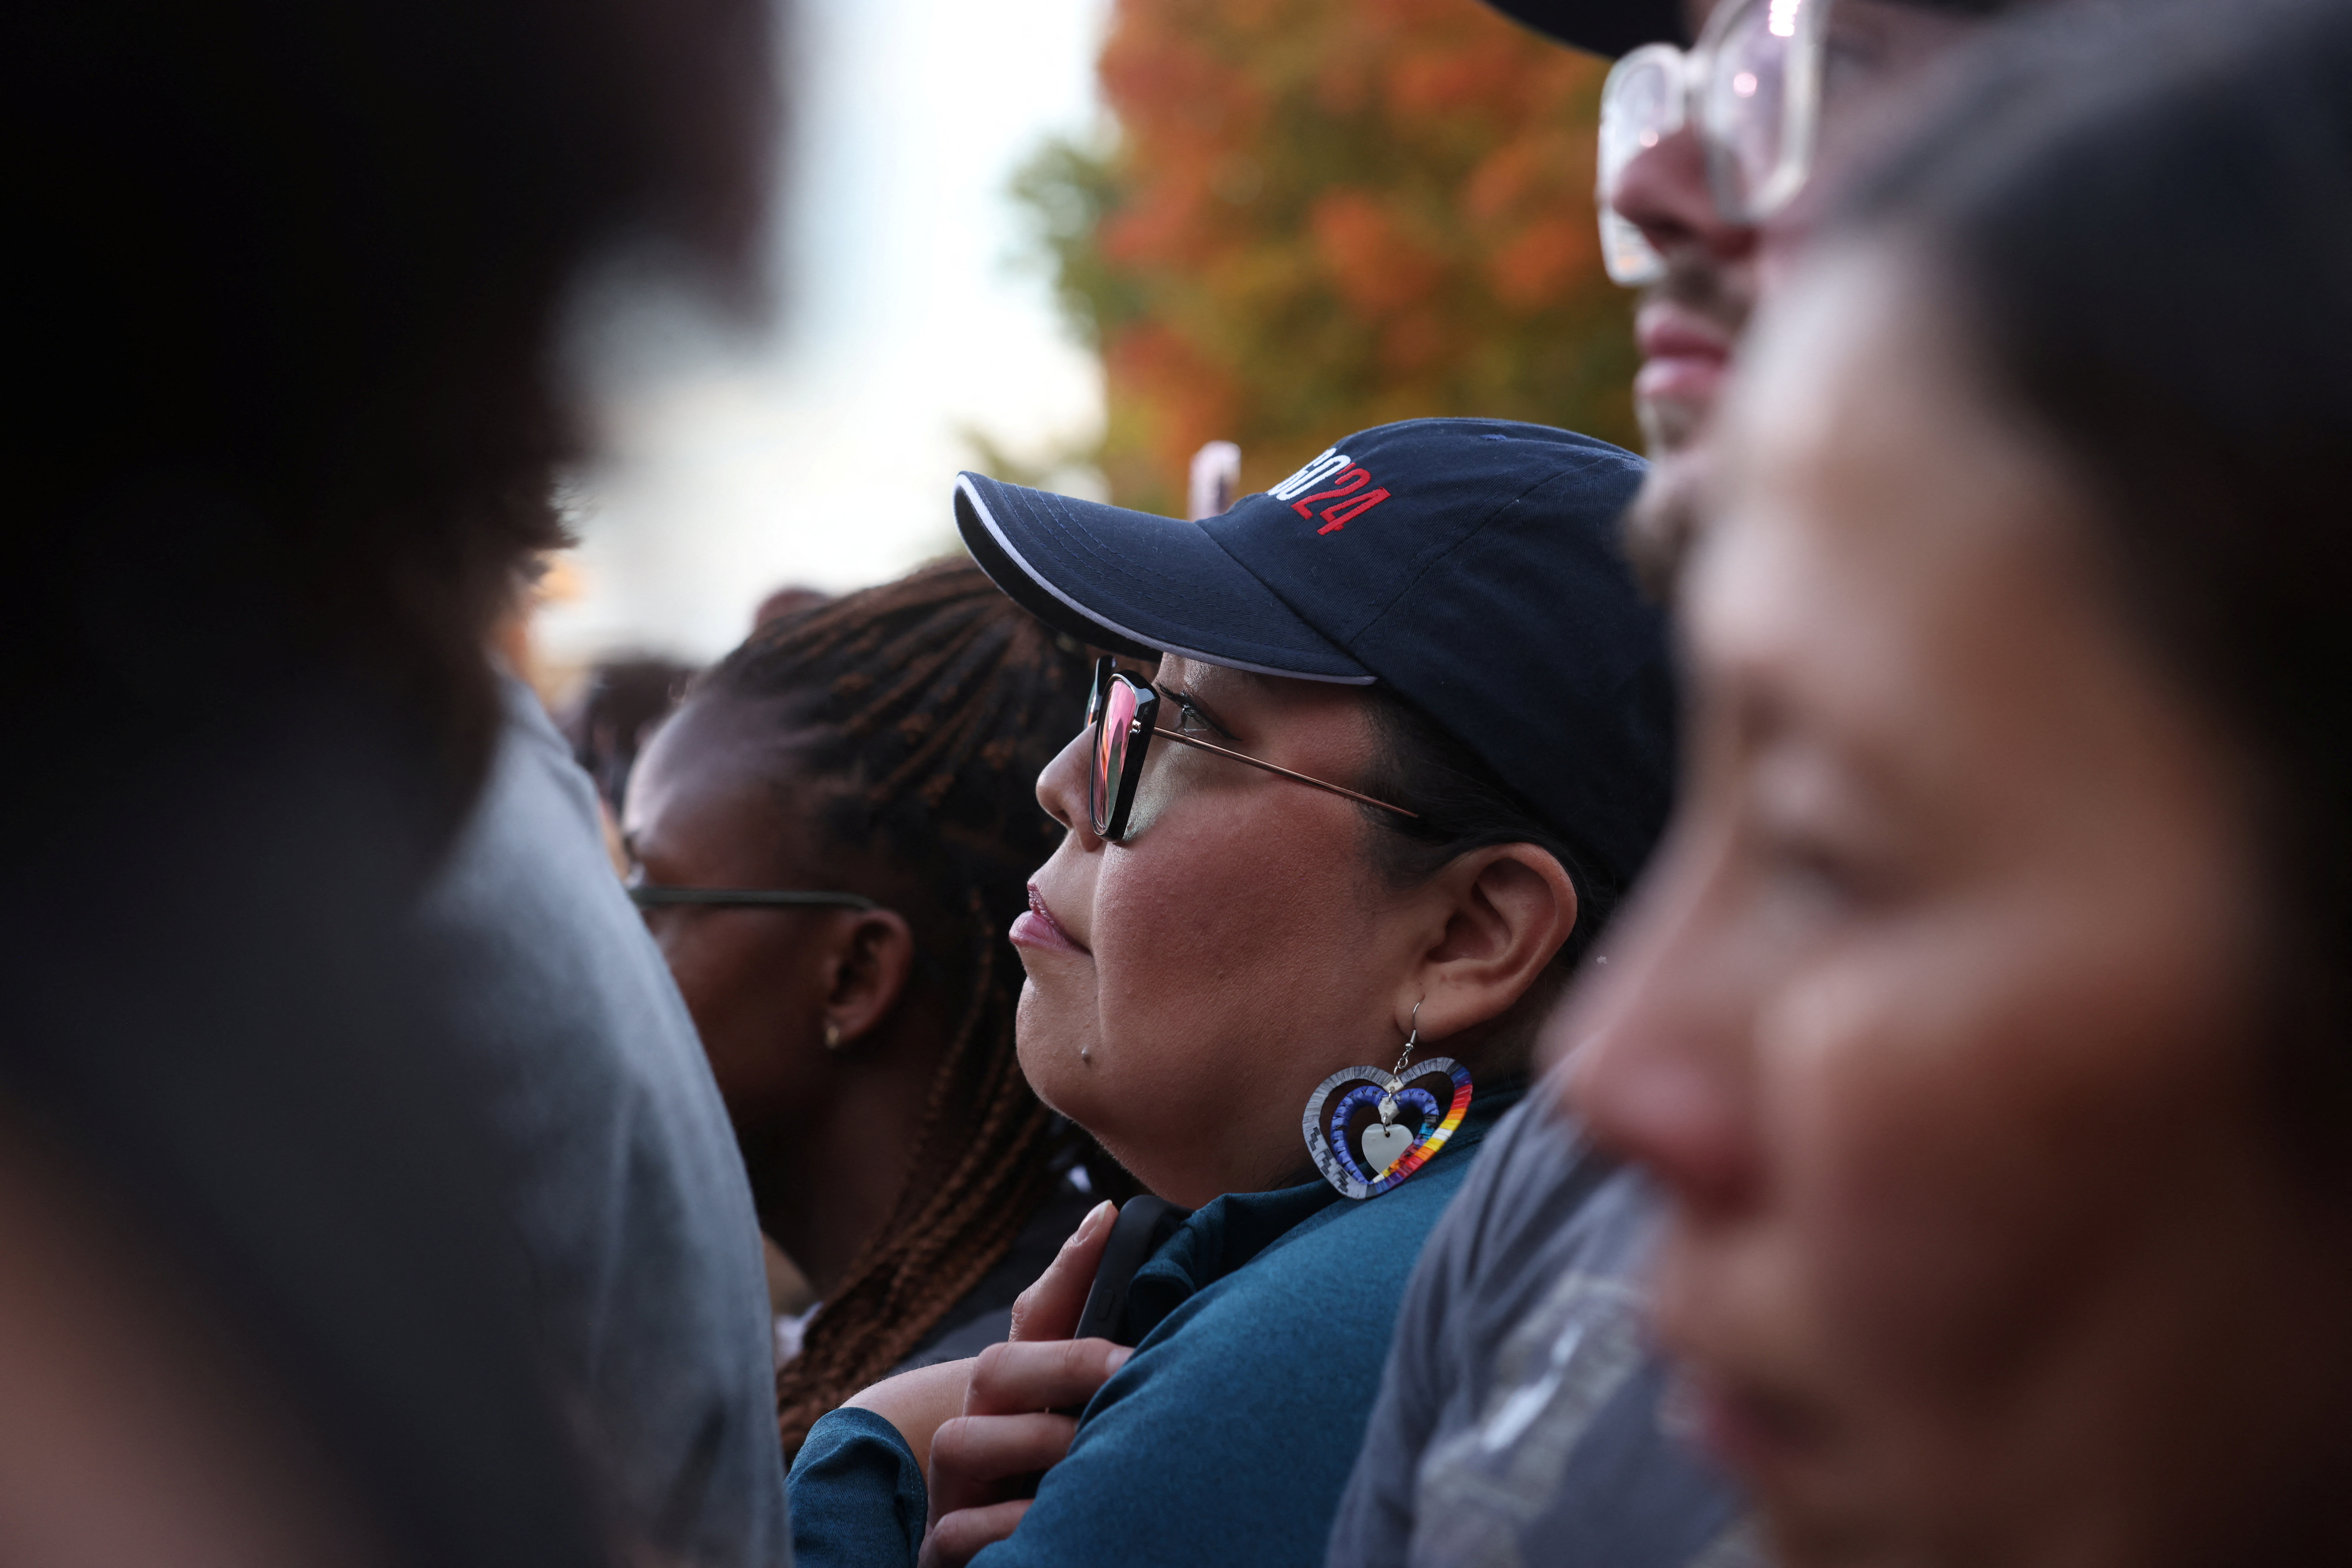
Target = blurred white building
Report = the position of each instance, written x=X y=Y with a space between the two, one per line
x=823 y=450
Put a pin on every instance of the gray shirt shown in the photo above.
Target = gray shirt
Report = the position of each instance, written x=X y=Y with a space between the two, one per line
x=628 y=1196
x=1520 y=1418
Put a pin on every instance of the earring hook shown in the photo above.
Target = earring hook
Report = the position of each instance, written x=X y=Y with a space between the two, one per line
x=1409 y=1039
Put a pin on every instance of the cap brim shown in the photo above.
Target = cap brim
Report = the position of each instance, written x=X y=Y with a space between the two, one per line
x=1138 y=584
x=1611 y=28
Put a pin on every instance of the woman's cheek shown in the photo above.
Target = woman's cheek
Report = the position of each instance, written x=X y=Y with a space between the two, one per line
x=1878 y=1119
x=732 y=1001
x=1953 y=1141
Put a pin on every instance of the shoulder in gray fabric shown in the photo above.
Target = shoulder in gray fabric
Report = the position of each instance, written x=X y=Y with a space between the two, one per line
x=625 y=1189
x=1521 y=1420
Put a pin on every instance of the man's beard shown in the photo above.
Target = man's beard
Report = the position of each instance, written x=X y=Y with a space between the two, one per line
x=1658 y=528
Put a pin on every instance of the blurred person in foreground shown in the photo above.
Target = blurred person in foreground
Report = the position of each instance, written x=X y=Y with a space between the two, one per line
x=291 y=279
x=1523 y=1413
x=829 y=840
x=1986 y=1016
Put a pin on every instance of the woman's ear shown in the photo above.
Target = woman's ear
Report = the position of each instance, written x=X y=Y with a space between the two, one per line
x=868 y=963
x=1508 y=908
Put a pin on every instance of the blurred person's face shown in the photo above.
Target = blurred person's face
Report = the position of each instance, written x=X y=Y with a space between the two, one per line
x=1689 y=324
x=1939 y=1017
x=1190 y=987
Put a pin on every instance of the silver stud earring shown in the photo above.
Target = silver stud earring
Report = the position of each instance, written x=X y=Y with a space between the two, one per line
x=832 y=1036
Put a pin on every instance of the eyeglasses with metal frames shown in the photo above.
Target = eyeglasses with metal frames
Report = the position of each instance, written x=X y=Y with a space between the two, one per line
x=655 y=894
x=1117 y=757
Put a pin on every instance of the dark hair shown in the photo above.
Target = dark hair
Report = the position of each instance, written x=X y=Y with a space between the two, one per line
x=934 y=701
x=618 y=706
x=300 y=272
x=2147 y=229
x=1463 y=804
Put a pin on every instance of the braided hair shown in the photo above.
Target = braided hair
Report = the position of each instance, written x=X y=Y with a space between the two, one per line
x=929 y=705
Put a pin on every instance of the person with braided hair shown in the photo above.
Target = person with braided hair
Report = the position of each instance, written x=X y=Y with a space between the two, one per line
x=871 y=757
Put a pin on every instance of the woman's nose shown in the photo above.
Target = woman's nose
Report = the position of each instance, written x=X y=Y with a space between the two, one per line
x=1663 y=192
x=1062 y=787
x=1657 y=1049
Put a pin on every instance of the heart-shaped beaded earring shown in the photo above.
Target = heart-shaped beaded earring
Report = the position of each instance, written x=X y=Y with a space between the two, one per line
x=1352 y=1124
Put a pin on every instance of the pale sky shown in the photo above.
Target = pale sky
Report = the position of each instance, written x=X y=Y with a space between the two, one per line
x=823 y=450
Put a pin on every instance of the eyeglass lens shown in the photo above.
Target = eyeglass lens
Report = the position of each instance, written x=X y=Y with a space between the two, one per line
x=1641 y=105
x=1761 y=90
x=1114 y=717
x=1756 y=79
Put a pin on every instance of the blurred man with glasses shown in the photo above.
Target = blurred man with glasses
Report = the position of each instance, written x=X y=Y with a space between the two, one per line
x=1522 y=1418
x=1714 y=160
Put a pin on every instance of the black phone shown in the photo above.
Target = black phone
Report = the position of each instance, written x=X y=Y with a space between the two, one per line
x=1144 y=1223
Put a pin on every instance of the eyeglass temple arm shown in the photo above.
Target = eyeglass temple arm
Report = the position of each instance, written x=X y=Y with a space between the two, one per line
x=657 y=894
x=1286 y=772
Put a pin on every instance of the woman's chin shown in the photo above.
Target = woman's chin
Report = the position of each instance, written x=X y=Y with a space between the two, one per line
x=1057 y=1058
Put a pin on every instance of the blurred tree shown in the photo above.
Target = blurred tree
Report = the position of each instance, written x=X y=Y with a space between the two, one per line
x=1320 y=215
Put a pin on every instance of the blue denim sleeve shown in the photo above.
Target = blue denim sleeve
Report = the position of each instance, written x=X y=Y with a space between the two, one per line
x=856 y=1495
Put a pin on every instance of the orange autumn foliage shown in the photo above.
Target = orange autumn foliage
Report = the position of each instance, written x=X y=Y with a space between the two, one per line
x=1320 y=214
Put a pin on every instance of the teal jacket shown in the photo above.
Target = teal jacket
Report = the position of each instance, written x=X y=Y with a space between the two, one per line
x=1228 y=1435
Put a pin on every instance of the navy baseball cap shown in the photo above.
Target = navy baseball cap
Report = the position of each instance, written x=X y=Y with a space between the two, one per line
x=1472 y=565
x=1615 y=28
x=1611 y=28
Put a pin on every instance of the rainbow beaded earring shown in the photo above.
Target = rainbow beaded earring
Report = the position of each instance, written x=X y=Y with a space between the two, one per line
x=1357 y=1140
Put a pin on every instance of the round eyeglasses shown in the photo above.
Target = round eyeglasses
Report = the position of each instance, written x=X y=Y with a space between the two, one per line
x=1751 y=87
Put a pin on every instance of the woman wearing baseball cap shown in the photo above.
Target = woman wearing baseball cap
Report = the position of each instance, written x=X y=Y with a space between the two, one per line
x=1407 y=739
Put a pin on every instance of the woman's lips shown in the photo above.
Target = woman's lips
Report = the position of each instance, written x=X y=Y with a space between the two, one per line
x=1754 y=1430
x=1751 y=1407
x=1038 y=928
